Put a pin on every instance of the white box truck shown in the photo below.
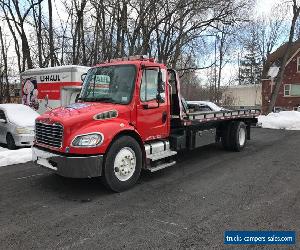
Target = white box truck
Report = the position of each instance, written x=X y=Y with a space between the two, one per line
x=42 y=87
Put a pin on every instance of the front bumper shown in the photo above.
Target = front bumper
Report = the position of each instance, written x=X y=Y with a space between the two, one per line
x=22 y=140
x=69 y=166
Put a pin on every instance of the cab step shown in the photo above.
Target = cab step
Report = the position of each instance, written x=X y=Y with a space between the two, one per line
x=161 y=155
x=159 y=149
x=162 y=166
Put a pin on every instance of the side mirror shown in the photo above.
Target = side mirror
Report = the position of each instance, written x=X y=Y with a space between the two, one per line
x=3 y=121
x=159 y=98
x=160 y=82
x=83 y=77
x=160 y=87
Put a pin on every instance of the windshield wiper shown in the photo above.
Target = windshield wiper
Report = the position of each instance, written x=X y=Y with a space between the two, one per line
x=98 y=99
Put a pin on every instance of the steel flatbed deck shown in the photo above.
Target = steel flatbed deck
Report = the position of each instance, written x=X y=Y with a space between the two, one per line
x=194 y=118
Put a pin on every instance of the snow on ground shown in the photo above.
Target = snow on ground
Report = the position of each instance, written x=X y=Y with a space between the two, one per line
x=289 y=120
x=9 y=157
x=3 y=149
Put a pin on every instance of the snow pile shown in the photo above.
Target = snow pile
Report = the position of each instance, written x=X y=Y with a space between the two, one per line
x=289 y=120
x=3 y=149
x=19 y=114
x=9 y=157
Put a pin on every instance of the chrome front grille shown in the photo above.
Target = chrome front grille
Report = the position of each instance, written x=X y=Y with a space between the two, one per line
x=49 y=134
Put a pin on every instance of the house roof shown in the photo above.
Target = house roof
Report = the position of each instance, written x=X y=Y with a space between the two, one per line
x=277 y=56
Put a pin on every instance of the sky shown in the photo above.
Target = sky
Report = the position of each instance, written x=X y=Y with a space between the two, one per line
x=264 y=6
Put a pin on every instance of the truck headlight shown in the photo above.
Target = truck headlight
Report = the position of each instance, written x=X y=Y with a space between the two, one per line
x=24 y=131
x=87 y=140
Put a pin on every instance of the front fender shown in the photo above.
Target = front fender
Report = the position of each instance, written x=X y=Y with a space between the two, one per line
x=109 y=129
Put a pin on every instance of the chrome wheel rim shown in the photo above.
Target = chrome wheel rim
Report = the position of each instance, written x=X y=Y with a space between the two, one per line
x=242 y=136
x=125 y=164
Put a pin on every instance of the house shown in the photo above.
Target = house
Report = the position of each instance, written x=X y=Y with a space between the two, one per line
x=289 y=92
x=241 y=96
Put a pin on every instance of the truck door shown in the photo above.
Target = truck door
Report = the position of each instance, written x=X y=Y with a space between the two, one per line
x=152 y=117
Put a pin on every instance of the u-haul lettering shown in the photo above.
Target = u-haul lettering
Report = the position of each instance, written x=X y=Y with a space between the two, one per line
x=49 y=78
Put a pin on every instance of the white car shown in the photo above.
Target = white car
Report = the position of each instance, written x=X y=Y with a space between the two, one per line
x=197 y=106
x=17 y=125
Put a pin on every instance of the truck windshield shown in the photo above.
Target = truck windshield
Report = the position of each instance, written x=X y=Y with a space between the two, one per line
x=112 y=84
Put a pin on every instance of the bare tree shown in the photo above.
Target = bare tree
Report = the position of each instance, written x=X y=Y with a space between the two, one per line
x=269 y=32
x=37 y=16
x=5 y=95
x=14 y=35
x=78 y=36
x=51 y=41
x=226 y=39
x=14 y=14
x=98 y=30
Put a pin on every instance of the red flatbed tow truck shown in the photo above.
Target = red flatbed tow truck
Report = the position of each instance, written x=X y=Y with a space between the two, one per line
x=130 y=116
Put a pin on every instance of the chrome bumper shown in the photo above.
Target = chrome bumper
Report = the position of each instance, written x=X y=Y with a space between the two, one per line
x=69 y=166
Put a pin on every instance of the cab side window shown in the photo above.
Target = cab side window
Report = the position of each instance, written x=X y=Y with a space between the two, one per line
x=148 y=91
x=2 y=115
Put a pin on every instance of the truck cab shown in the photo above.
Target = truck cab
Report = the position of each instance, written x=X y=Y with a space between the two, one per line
x=129 y=116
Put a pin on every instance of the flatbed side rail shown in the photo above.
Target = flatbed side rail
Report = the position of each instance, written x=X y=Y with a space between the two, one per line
x=222 y=115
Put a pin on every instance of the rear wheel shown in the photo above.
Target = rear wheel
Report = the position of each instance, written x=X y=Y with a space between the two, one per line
x=238 y=136
x=123 y=164
x=10 y=141
x=234 y=136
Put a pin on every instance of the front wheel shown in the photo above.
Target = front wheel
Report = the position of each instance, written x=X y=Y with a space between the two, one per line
x=123 y=164
x=10 y=141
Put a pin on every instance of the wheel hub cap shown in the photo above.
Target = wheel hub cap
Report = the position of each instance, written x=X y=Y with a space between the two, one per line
x=125 y=163
x=242 y=137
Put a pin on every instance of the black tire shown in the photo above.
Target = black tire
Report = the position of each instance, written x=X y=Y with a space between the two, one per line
x=110 y=173
x=236 y=142
x=10 y=141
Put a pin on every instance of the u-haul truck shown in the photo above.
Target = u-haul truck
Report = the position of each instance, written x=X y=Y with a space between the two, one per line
x=42 y=87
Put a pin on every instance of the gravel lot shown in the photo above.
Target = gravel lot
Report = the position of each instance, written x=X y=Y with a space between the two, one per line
x=188 y=206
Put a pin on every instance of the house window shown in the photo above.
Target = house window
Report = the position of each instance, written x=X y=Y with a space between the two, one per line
x=292 y=90
x=298 y=64
x=287 y=89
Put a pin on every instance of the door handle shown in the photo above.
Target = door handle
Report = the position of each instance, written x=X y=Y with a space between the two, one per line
x=145 y=106
x=149 y=106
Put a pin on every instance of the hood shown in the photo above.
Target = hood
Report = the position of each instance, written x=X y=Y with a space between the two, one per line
x=82 y=113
